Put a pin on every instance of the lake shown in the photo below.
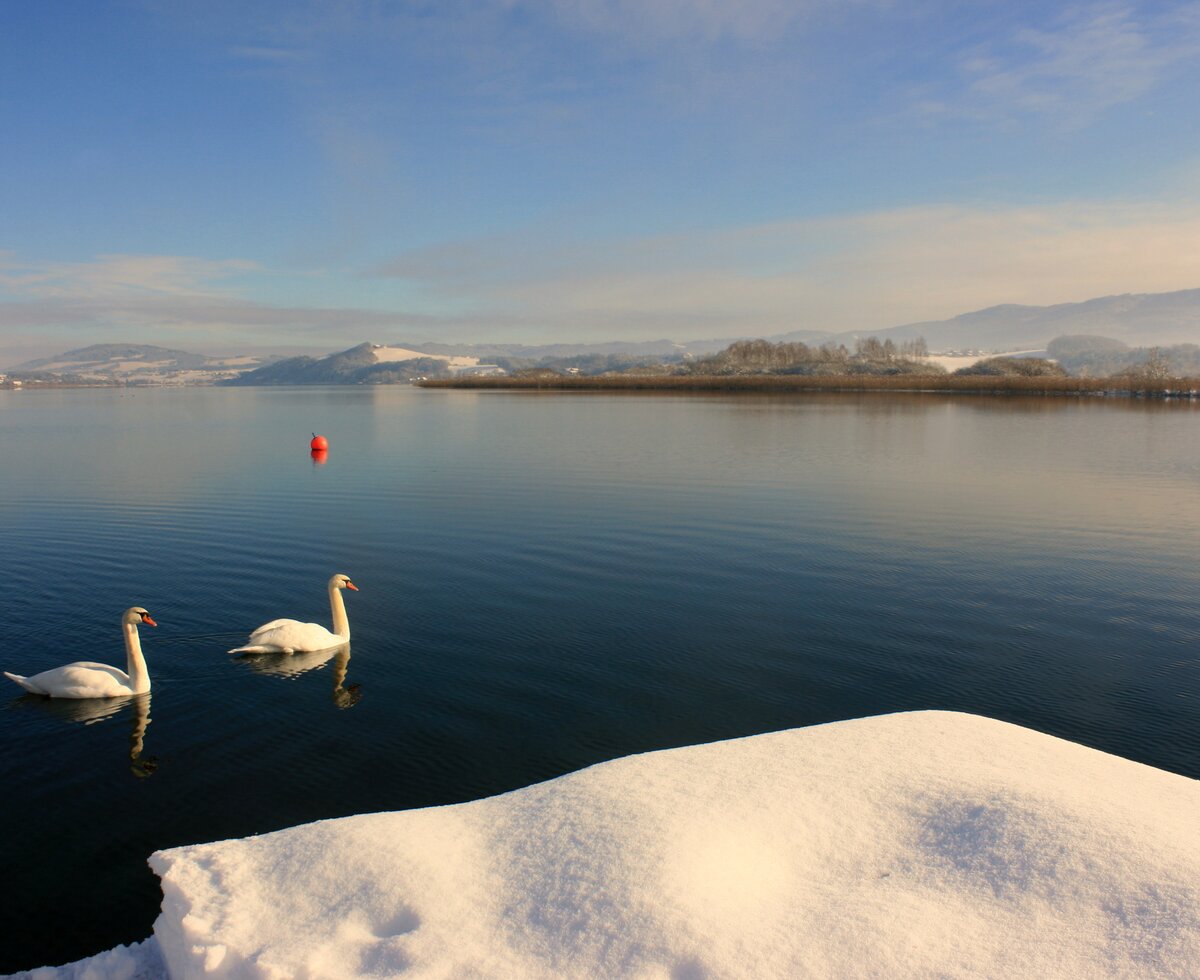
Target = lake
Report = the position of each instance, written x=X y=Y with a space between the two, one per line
x=549 y=580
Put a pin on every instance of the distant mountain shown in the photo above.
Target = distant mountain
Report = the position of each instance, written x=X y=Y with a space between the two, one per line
x=1140 y=320
x=105 y=355
x=137 y=364
x=535 y=352
x=365 y=364
x=1137 y=319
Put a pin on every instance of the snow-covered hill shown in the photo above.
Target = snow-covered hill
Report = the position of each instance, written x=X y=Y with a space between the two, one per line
x=139 y=363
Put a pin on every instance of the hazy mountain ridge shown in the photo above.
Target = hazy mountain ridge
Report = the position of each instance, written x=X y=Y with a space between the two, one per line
x=537 y=351
x=1136 y=320
x=134 y=363
x=103 y=353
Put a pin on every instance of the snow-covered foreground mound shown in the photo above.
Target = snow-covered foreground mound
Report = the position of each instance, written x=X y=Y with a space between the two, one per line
x=929 y=843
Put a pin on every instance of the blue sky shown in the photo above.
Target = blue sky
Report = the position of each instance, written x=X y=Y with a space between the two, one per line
x=218 y=175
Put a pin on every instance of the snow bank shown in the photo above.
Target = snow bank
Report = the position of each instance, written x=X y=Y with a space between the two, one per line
x=920 y=844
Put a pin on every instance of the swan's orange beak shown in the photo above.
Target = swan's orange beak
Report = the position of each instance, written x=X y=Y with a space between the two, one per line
x=147 y=620
x=352 y=586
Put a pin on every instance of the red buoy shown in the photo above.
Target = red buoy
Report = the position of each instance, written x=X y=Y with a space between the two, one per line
x=319 y=443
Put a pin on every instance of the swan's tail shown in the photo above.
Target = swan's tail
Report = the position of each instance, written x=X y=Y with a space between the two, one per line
x=250 y=649
x=24 y=682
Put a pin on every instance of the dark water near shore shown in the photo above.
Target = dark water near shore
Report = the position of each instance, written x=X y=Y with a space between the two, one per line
x=552 y=580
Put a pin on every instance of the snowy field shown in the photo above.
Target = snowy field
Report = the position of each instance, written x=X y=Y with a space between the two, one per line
x=390 y=354
x=952 y=362
x=911 y=845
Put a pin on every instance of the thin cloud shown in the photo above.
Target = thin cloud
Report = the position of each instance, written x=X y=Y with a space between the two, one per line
x=850 y=272
x=113 y=276
x=863 y=271
x=1089 y=60
x=140 y=295
x=200 y=323
x=707 y=21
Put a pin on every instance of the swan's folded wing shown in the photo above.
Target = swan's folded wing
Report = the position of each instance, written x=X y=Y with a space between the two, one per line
x=88 y=665
x=275 y=624
x=82 y=680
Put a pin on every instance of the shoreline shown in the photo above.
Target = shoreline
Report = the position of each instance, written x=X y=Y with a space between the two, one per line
x=1169 y=388
x=1188 y=388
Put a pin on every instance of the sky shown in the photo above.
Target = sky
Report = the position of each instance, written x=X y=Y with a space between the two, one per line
x=222 y=175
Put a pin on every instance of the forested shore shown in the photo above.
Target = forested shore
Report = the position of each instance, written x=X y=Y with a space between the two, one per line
x=965 y=384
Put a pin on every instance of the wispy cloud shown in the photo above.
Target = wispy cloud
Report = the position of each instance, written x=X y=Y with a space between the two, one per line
x=114 y=276
x=187 y=300
x=510 y=53
x=1089 y=59
x=174 y=296
x=861 y=271
x=705 y=21
x=633 y=20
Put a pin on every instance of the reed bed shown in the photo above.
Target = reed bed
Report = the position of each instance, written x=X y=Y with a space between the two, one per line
x=981 y=384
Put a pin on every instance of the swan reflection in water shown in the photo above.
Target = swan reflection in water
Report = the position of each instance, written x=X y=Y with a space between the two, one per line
x=89 y=711
x=292 y=665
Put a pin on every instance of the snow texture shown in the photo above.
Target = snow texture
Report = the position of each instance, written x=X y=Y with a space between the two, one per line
x=925 y=844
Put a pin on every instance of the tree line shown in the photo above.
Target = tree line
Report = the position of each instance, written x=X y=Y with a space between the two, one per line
x=1084 y=357
x=870 y=356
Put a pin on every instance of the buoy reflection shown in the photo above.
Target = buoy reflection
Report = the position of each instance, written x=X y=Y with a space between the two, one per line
x=319 y=456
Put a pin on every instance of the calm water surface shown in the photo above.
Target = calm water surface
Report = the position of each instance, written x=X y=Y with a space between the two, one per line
x=548 y=581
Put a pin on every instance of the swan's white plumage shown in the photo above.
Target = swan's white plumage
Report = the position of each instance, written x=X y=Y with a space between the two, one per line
x=86 y=679
x=289 y=636
x=292 y=636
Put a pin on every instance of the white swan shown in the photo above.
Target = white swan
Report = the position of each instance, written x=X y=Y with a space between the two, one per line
x=89 y=680
x=291 y=636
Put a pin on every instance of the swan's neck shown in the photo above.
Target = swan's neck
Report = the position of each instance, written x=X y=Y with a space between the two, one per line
x=139 y=676
x=341 y=625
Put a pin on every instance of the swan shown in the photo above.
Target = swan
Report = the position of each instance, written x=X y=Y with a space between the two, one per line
x=89 y=680
x=291 y=636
